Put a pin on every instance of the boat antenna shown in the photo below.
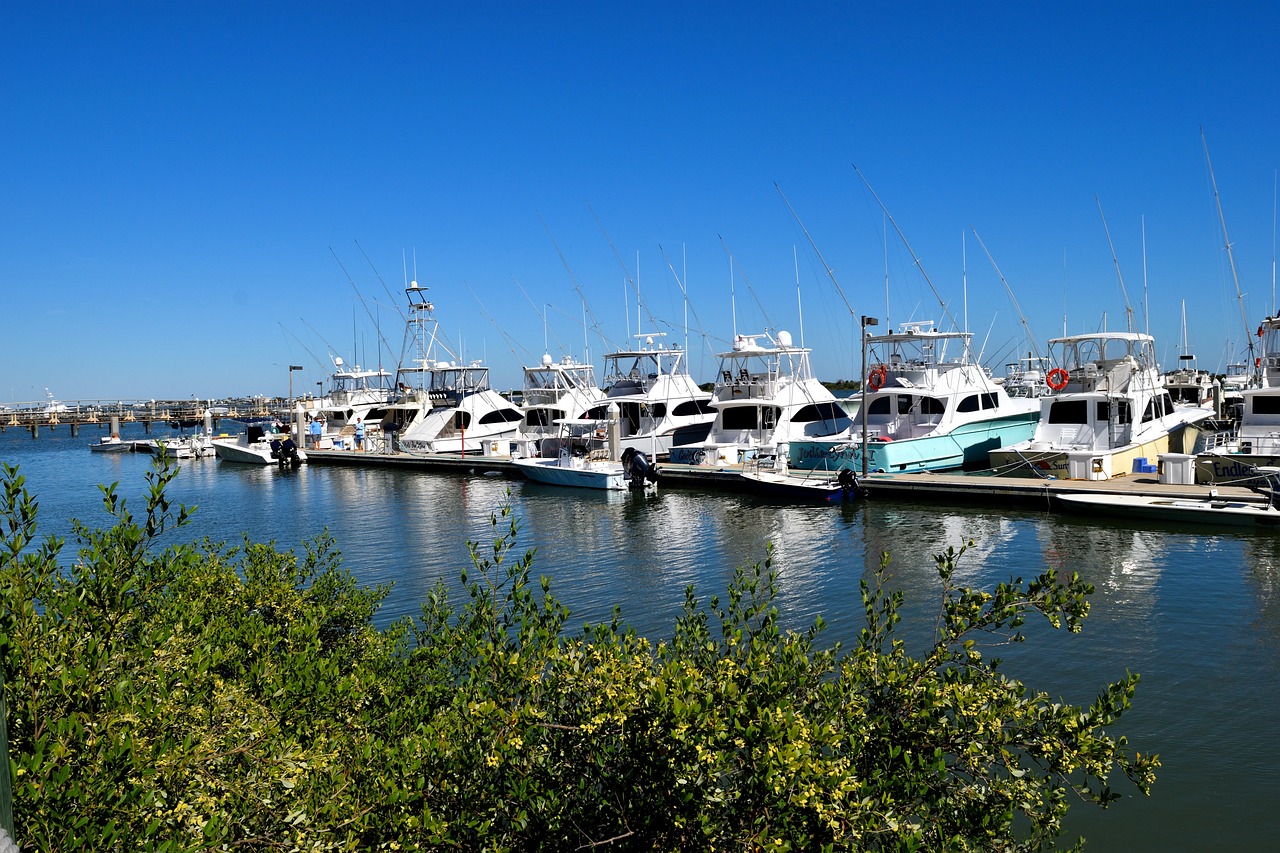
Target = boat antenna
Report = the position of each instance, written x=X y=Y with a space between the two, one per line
x=1128 y=309
x=1275 y=185
x=884 y=242
x=964 y=282
x=946 y=312
x=684 y=292
x=1231 y=258
x=795 y=258
x=1146 y=304
x=769 y=325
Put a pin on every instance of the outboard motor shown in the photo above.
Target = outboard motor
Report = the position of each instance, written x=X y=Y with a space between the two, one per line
x=638 y=468
x=289 y=454
x=849 y=484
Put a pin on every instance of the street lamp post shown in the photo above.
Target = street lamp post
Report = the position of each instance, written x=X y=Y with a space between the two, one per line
x=862 y=409
x=292 y=368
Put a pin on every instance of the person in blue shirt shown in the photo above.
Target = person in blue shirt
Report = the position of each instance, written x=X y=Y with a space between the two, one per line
x=315 y=429
x=359 y=434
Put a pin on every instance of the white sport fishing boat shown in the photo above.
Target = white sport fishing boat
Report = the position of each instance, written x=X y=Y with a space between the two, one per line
x=930 y=407
x=659 y=403
x=555 y=391
x=1256 y=439
x=765 y=397
x=456 y=410
x=1107 y=410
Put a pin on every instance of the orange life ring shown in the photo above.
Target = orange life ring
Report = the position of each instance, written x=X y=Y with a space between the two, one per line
x=1057 y=379
x=876 y=378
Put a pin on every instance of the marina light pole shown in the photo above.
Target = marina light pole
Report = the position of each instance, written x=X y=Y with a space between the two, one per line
x=292 y=368
x=862 y=409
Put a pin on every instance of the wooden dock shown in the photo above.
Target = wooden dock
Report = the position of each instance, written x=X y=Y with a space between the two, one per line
x=924 y=488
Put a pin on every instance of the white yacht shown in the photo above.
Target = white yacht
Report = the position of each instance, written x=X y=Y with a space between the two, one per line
x=556 y=391
x=659 y=403
x=930 y=407
x=1256 y=439
x=765 y=397
x=448 y=406
x=354 y=393
x=1108 y=410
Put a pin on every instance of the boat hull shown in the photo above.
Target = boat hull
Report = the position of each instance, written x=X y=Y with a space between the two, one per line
x=967 y=446
x=1222 y=469
x=256 y=453
x=1218 y=513
x=813 y=487
x=1085 y=464
x=608 y=476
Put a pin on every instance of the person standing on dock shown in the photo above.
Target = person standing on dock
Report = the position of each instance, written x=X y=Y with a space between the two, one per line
x=315 y=430
x=359 y=433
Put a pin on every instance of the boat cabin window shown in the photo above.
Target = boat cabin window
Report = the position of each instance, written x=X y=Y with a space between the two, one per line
x=741 y=417
x=461 y=420
x=769 y=416
x=988 y=401
x=542 y=417
x=693 y=407
x=879 y=406
x=932 y=406
x=1158 y=407
x=819 y=412
x=658 y=410
x=504 y=415
x=1265 y=404
x=1069 y=412
x=968 y=404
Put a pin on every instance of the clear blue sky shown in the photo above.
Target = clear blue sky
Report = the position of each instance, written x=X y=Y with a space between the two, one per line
x=178 y=178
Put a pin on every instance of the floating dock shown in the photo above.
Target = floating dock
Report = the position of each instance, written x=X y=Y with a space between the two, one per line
x=943 y=488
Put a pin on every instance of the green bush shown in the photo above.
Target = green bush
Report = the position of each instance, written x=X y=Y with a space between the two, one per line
x=198 y=696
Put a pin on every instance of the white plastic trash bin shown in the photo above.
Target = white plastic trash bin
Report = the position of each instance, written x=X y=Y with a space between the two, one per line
x=1088 y=465
x=1177 y=469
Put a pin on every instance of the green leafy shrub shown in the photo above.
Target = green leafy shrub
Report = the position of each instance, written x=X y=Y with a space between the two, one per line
x=200 y=696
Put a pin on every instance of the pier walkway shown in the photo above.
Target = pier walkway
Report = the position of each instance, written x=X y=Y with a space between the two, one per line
x=920 y=488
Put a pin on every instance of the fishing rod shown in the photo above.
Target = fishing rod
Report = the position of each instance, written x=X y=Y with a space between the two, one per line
x=1022 y=318
x=946 y=312
x=1128 y=308
x=595 y=324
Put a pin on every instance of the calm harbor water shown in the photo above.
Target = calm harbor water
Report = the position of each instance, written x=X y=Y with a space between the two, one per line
x=1195 y=612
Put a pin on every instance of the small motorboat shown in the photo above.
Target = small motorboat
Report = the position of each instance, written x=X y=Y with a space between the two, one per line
x=580 y=457
x=1215 y=511
x=771 y=475
x=111 y=444
x=258 y=445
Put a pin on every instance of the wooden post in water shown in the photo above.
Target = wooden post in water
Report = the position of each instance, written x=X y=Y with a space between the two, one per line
x=35 y=430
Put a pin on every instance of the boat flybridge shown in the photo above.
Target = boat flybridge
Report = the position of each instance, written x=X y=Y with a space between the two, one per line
x=765 y=397
x=1107 y=408
x=555 y=391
